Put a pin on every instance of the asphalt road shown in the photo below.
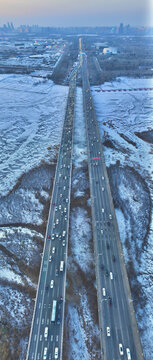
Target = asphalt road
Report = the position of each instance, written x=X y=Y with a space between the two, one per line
x=115 y=306
x=43 y=346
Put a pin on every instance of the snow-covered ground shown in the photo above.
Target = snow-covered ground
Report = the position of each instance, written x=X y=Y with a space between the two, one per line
x=31 y=116
x=121 y=115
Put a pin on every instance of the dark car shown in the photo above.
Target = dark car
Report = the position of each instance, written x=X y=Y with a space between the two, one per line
x=113 y=258
x=108 y=246
x=58 y=318
x=107 y=273
x=109 y=301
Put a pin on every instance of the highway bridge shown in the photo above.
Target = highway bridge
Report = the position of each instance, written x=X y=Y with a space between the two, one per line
x=117 y=322
x=123 y=90
x=46 y=337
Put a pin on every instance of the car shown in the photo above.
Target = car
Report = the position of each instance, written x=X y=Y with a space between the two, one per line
x=56 y=235
x=108 y=331
x=104 y=292
x=50 y=258
x=63 y=243
x=53 y=250
x=57 y=221
x=108 y=246
x=53 y=203
x=64 y=210
x=121 y=349
x=56 y=272
x=49 y=237
x=110 y=216
x=128 y=353
x=46 y=332
x=102 y=210
x=102 y=266
x=102 y=177
x=58 y=318
x=102 y=188
x=56 y=353
x=56 y=208
x=52 y=284
x=59 y=207
x=111 y=275
x=60 y=237
x=113 y=258
x=107 y=273
x=109 y=301
x=45 y=353
x=53 y=236
x=64 y=233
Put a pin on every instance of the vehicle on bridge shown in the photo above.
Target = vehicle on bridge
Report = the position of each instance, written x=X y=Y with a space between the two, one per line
x=53 y=315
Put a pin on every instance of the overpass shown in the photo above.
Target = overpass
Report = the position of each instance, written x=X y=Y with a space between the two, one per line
x=117 y=322
x=46 y=336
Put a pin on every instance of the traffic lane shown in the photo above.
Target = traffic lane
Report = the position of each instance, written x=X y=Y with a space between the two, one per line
x=108 y=210
x=41 y=345
x=105 y=308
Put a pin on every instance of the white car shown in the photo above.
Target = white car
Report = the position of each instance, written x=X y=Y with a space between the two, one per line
x=45 y=353
x=46 y=332
x=56 y=353
x=63 y=243
x=102 y=210
x=128 y=353
x=121 y=349
x=53 y=250
x=110 y=216
x=111 y=275
x=60 y=207
x=57 y=221
x=104 y=292
x=52 y=284
x=108 y=331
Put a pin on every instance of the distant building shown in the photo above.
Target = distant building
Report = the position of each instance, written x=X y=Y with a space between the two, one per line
x=121 y=29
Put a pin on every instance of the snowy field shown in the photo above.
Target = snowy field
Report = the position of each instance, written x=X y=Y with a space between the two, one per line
x=31 y=120
x=130 y=167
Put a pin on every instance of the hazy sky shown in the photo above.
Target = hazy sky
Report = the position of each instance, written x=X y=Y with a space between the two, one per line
x=76 y=12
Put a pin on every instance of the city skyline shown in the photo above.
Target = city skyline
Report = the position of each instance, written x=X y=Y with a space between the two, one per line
x=64 y=13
